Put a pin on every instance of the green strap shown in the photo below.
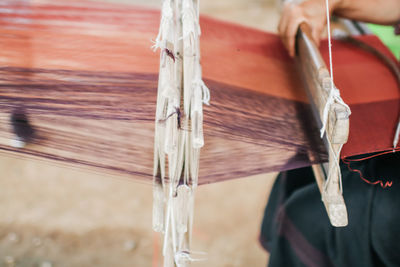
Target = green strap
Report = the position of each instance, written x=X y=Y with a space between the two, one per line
x=387 y=36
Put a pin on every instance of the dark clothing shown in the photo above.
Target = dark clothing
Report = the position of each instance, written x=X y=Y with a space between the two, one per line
x=297 y=232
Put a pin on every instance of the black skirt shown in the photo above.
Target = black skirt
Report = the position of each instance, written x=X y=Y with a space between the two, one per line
x=296 y=230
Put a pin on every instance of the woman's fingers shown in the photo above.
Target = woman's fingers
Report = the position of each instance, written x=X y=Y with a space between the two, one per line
x=316 y=33
x=283 y=22
x=313 y=12
x=291 y=18
x=291 y=33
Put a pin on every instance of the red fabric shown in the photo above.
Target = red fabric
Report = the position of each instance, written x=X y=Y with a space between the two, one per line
x=372 y=92
x=258 y=115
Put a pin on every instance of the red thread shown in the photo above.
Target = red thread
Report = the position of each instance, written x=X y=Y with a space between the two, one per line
x=372 y=156
x=380 y=182
x=156 y=250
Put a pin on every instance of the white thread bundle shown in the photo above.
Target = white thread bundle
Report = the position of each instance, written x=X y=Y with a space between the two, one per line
x=182 y=205
x=190 y=26
x=165 y=81
x=334 y=96
x=158 y=208
x=179 y=128
x=183 y=258
x=165 y=26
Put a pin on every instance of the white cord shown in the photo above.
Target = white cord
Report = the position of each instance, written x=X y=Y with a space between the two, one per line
x=328 y=24
x=334 y=94
x=183 y=257
x=330 y=99
x=165 y=26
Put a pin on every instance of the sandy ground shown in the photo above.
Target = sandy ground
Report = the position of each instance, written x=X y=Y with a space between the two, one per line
x=58 y=216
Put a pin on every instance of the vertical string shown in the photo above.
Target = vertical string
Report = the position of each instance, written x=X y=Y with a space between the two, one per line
x=328 y=24
x=330 y=98
x=334 y=94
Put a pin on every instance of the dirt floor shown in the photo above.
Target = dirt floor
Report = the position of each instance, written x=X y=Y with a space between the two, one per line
x=59 y=216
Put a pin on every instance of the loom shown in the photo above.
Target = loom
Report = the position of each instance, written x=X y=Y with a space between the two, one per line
x=81 y=90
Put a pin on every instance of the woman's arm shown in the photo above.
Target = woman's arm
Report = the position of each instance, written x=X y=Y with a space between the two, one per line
x=374 y=11
x=313 y=12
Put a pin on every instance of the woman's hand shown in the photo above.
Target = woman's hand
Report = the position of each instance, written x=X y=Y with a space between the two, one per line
x=312 y=12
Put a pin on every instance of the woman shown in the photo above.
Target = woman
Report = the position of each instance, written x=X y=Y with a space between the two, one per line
x=296 y=229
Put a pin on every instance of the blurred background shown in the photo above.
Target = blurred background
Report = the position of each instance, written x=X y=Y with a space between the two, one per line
x=59 y=216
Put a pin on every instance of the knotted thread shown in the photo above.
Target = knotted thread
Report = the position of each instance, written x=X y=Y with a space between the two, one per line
x=165 y=26
x=189 y=19
x=204 y=89
x=334 y=94
x=178 y=40
x=199 y=83
x=182 y=258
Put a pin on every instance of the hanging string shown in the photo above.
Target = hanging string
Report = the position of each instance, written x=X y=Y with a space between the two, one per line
x=198 y=82
x=334 y=94
x=183 y=257
x=173 y=213
x=165 y=26
x=336 y=164
x=328 y=24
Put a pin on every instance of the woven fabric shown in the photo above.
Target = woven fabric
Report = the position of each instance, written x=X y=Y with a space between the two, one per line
x=84 y=74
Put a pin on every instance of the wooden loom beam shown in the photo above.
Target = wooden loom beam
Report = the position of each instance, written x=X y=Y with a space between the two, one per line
x=317 y=84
